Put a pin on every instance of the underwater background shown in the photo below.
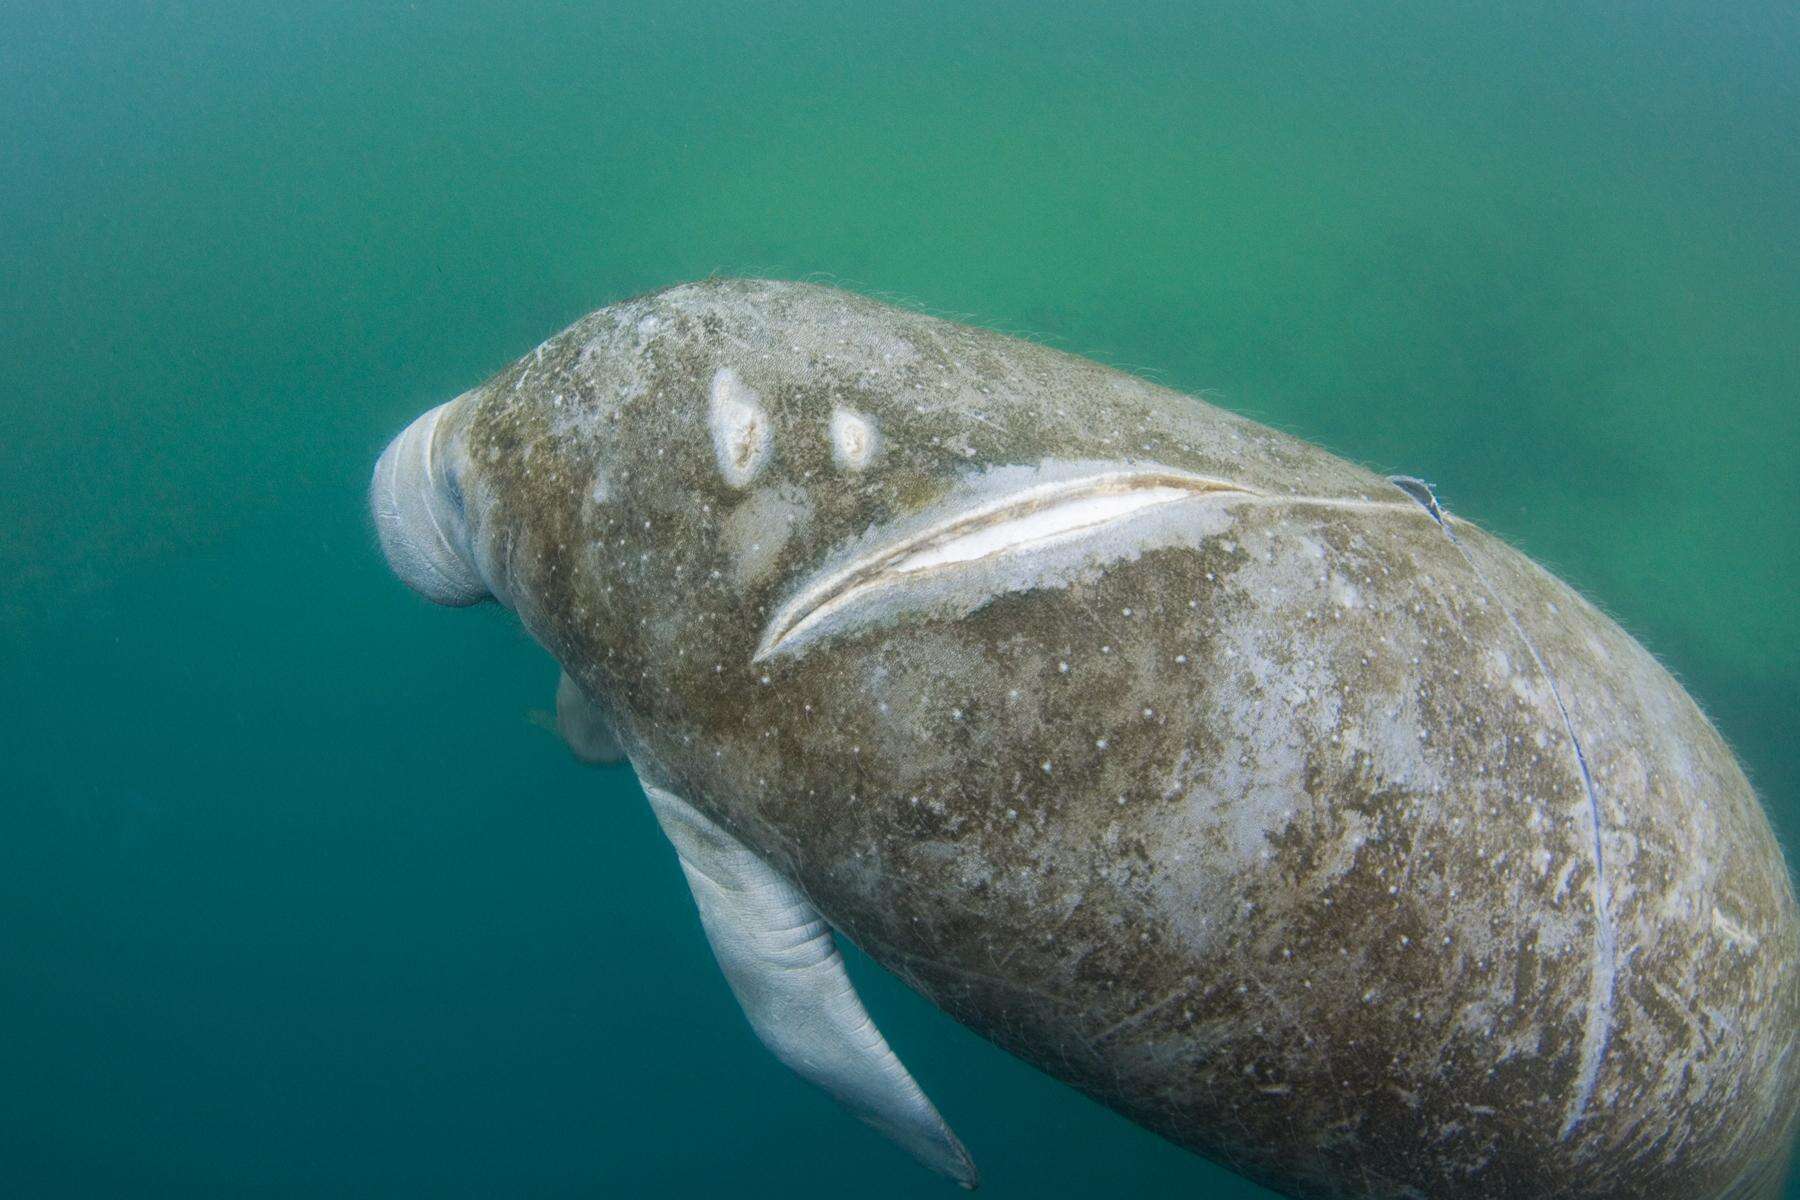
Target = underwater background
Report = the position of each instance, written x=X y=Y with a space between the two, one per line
x=297 y=895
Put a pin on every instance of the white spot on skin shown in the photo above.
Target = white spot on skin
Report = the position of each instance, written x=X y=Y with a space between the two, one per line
x=854 y=439
x=740 y=428
x=759 y=529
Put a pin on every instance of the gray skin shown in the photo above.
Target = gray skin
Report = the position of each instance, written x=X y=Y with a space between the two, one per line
x=1295 y=819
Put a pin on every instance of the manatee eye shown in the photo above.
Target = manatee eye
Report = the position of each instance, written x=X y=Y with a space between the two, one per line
x=453 y=492
x=441 y=472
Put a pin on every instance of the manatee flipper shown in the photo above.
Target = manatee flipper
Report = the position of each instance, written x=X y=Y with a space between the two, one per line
x=779 y=957
x=586 y=729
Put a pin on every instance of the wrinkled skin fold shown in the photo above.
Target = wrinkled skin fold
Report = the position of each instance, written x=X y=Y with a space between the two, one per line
x=1257 y=796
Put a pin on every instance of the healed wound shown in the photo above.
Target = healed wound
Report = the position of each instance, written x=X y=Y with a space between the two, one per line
x=1024 y=521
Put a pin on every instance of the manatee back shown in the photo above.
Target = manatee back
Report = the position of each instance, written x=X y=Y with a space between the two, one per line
x=1357 y=857
x=1330 y=838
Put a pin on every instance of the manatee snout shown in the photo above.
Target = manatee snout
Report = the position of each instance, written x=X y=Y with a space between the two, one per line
x=421 y=515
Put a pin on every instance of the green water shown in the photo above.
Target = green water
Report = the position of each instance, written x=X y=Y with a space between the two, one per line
x=296 y=899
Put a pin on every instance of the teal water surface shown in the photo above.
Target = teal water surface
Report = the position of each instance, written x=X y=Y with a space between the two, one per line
x=298 y=898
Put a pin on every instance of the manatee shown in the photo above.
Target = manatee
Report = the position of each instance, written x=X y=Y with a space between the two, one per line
x=1253 y=794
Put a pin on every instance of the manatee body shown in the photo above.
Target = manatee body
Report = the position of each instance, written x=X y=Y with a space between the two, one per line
x=1249 y=792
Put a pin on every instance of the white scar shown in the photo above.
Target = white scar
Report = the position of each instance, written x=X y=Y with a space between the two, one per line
x=740 y=429
x=1032 y=519
x=853 y=439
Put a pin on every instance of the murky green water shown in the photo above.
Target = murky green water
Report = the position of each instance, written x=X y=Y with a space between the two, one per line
x=297 y=900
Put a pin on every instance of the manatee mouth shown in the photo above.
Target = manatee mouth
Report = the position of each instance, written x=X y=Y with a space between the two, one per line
x=1020 y=522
